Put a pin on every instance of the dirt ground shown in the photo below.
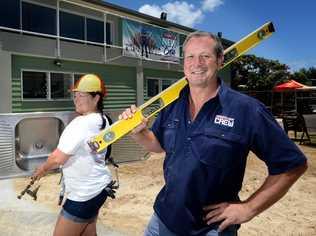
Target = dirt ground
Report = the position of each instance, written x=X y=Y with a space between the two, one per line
x=140 y=181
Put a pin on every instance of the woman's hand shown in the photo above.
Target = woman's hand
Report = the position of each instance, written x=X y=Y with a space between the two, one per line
x=39 y=172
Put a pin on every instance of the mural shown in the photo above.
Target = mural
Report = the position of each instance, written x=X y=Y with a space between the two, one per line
x=149 y=42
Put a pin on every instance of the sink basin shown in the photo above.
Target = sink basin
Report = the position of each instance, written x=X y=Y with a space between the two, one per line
x=35 y=139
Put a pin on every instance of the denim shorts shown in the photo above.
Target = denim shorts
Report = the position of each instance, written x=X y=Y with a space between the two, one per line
x=86 y=211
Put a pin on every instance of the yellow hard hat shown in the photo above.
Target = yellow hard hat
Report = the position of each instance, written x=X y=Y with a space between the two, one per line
x=90 y=83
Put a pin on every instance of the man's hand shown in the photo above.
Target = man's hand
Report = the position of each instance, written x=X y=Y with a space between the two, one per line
x=227 y=213
x=141 y=134
x=128 y=114
x=273 y=188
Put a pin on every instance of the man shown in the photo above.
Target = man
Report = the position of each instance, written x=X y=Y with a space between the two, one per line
x=144 y=42
x=207 y=135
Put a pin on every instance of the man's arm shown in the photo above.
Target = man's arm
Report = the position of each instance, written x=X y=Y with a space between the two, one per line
x=141 y=134
x=272 y=190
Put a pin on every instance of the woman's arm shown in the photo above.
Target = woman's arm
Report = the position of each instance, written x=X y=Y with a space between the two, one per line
x=55 y=159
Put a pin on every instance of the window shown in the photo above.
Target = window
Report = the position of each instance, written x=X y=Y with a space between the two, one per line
x=108 y=32
x=38 y=19
x=95 y=31
x=10 y=13
x=152 y=87
x=39 y=85
x=41 y=18
x=34 y=85
x=72 y=26
x=77 y=77
x=155 y=86
x=60 y=85
x=165 y=84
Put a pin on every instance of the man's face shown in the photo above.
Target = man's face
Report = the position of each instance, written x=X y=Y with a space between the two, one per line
x=200 y=62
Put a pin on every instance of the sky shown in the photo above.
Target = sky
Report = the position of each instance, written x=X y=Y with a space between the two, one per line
x=293 y=43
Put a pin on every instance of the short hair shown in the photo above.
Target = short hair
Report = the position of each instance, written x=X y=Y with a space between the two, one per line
x=218 y=48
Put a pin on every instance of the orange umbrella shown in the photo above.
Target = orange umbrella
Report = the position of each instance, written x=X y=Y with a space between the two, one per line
x=288 y=86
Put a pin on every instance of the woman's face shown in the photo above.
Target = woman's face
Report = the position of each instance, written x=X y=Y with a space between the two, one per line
x=85 y=103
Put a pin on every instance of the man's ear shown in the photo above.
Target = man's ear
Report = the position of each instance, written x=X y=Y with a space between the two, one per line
x=220 y=61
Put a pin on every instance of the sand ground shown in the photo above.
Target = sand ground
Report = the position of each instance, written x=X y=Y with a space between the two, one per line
x=129 y=213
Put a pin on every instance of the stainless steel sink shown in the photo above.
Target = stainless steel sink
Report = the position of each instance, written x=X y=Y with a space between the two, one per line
x=35 y=139
x=27 y=139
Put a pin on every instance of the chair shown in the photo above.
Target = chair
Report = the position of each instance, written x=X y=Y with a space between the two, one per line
x=292 y=122
x=309 y=128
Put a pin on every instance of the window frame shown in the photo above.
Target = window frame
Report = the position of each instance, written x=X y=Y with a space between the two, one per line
x=48 y=80
x=47 y=84
x=85 y=40
x=56 y=36
x=17 y=13
x=40 y=5
x=172 y=80
x=84 y=26
x=113 y=32
x=87 y=29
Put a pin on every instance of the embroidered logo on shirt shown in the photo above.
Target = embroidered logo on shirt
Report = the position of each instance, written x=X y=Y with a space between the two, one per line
x=224 y=120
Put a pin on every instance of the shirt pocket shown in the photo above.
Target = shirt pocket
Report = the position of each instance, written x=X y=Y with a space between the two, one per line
x=169 y=135
x=219 y=148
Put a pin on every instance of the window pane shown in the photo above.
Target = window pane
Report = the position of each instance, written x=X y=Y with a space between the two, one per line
x=95 y=31
x=108 y=33
x=166 y=84
x=71 y=26
x=10 y=13
x=77 y=77
x=60 y=84
x=38 y=18
x=152 y=87
x=34 y=84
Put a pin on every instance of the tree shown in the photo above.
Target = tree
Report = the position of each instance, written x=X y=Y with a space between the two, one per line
x=300 y=76
x=305 y=76
x=257 y=73
x=311 y=73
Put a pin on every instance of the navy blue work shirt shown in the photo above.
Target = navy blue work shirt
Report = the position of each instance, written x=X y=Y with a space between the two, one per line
x=206 y=158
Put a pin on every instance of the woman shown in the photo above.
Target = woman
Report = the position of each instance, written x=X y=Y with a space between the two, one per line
x=85 y=173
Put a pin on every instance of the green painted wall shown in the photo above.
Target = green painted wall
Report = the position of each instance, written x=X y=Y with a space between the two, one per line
x=162 y=74
x=120 y=83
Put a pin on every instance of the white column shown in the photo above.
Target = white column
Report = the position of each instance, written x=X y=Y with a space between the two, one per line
x=139 y=85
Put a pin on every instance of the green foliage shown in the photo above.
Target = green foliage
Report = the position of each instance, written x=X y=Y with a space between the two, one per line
x=300 y=76
x=257 y=73
x=305 y=76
